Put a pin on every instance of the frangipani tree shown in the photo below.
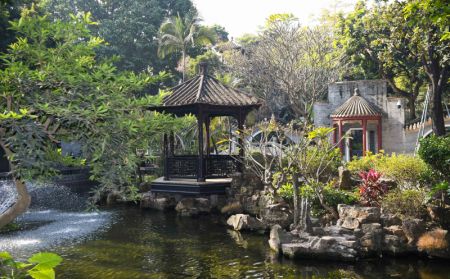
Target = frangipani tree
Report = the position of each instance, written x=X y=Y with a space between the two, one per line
x=303 y=160
x=53 y=88
x=289 y=64
x=178 y=33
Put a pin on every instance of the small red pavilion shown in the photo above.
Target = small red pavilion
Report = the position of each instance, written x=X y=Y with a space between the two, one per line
x=361 y=120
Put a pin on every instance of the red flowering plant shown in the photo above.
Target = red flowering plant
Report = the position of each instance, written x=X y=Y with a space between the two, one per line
x=371 y=189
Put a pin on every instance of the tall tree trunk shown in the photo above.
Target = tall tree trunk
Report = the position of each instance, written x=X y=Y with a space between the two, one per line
x=23 y=197
x=183 y=52
x=437 y=111
x=412 y=107
x=297 y=210
x=437 y=72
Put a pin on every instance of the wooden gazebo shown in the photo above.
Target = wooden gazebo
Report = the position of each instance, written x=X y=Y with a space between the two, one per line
x=205 y=97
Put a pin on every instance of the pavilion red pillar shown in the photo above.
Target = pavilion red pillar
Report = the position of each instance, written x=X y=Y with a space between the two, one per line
x=379 y=136
x=340 y=129
x=364 y=126
x=334 y=133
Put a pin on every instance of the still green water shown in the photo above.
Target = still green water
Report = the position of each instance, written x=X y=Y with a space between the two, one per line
x=147 y=244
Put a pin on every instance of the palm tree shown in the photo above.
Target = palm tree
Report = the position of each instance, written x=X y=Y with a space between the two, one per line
x=177 y=34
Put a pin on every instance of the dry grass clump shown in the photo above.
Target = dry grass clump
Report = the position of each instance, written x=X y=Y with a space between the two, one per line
x=434 y=240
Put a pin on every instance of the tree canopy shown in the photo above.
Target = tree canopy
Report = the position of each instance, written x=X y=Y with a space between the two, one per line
x=130 y=27
x=55 y=88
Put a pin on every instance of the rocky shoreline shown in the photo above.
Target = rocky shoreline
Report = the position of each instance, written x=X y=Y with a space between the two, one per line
x=359 y=233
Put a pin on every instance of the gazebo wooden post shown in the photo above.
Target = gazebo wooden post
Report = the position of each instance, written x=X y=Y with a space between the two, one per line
x=208 y=139
x=172 y=143
x=364 y=127
x=166 y=159
x=200 y=165
x=241 y=120
x=379 y=136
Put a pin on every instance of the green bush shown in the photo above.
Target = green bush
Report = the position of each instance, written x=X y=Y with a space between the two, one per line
x=365 y=163
x=406 y=170
x=406 y=203
x=331 y=196
x=435 y=151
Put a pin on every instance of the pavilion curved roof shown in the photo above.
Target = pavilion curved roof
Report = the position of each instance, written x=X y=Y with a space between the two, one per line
x=356 y=106
x=204 y=90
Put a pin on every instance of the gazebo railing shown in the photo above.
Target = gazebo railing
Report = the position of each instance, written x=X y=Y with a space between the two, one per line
x=186 y=166
x=220 y=166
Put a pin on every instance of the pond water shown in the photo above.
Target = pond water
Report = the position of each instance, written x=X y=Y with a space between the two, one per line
x=132 y=243
x=146 y=244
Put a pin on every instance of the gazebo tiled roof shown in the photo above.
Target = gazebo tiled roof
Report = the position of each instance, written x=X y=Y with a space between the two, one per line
x=206 y=91
x=356 y=106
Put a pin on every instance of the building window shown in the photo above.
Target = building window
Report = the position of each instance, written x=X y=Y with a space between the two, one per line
x=372 y=142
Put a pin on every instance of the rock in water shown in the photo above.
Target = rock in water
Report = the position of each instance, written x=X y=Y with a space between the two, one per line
x=278 y=236
x=151 y=201
x=193 y=206
x=241 y=222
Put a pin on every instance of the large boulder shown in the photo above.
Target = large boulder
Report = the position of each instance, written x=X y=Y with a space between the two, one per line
x=152 y=201
x=394 y=245
x=413 y=229
x=362 y=214
x=278 y=236
x=345 y=181
x=274 y=214
x=241 y=222
x=326 y=247
x=371 y=241
x=388 y=220
x=193 y=206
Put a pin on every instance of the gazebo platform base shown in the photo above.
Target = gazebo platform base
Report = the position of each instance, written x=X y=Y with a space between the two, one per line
x=186 y=186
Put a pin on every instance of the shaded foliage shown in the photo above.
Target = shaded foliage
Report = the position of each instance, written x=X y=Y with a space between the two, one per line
x=130 y=27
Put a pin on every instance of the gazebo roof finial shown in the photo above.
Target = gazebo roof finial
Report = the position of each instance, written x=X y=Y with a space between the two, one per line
x=203 y=68
x=356 y=106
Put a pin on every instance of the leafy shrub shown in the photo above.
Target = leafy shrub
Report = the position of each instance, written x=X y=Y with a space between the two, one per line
x=439 y=192
x=371 y=189
x=365 y=163
x=435 y=151
x=38 y=266
x=332 y=197
x=55 y=156
x=406 y=203
x=406 y=170
x=326 y=161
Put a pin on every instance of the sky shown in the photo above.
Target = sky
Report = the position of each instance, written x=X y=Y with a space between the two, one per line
x=246 y=16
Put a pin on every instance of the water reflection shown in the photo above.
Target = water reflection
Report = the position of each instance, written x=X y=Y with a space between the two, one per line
x=143 y=244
